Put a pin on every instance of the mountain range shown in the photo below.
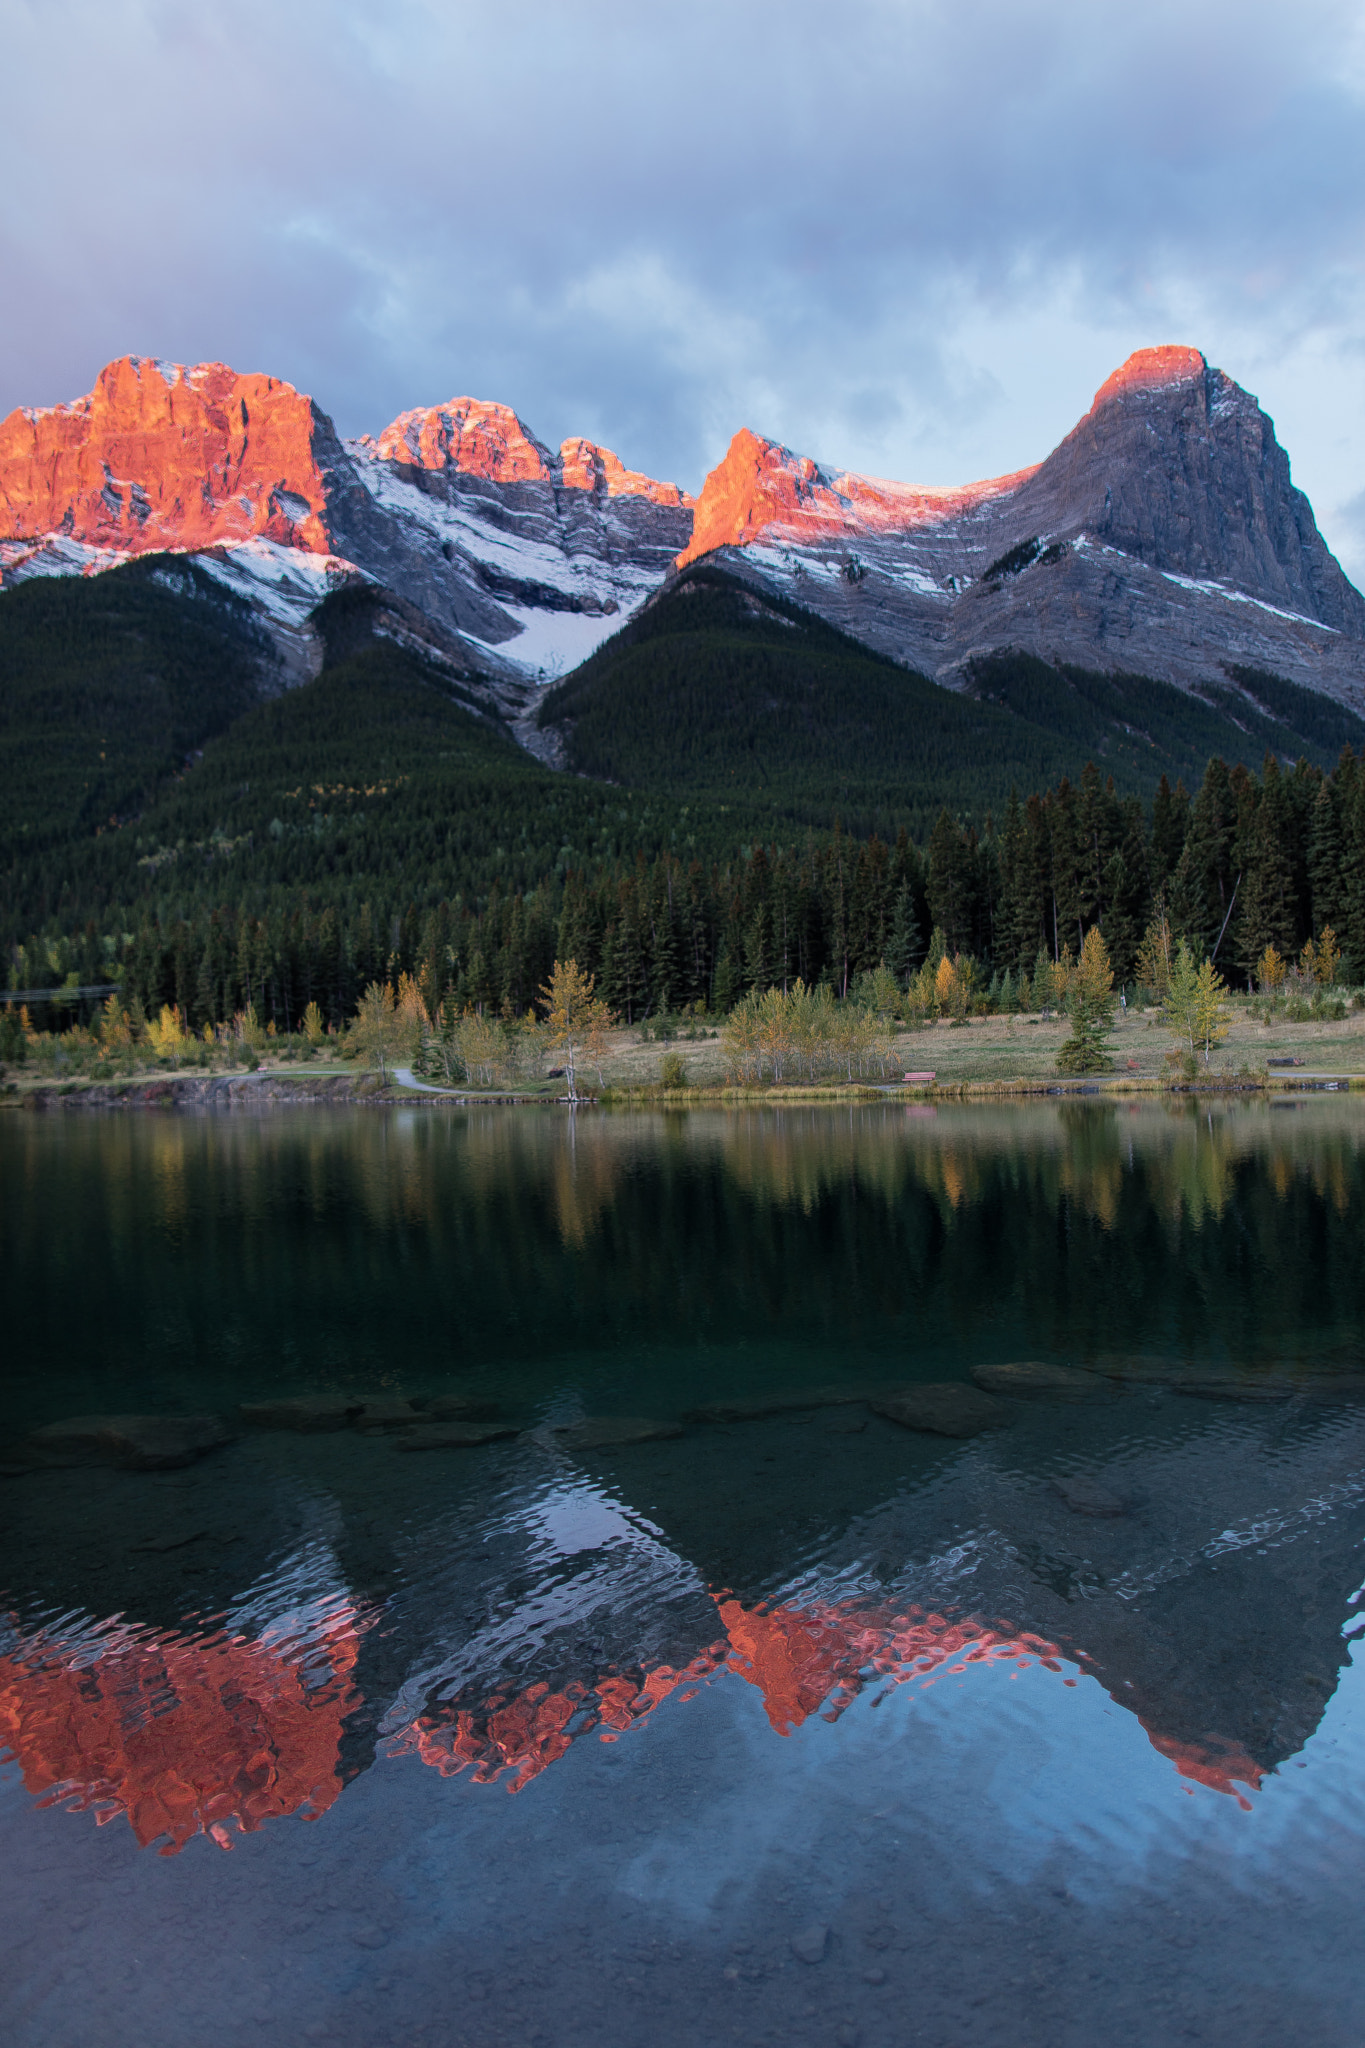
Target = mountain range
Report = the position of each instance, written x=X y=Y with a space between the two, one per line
x=1163 y=538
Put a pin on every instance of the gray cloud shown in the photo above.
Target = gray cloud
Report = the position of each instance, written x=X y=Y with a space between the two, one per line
x=907 y=237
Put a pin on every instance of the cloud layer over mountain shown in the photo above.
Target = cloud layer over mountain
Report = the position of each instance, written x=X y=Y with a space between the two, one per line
x=903 y=236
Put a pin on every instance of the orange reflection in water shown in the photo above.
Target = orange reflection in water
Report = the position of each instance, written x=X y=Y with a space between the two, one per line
x=527 y=1731
x=806 y=1658
x=183 y=1734
x=1222 y=1766
x=804 y=1661
x=187 y=1735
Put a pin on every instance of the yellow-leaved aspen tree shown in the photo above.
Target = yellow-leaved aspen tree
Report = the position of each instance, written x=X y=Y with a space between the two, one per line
x=1270 y=972
x=1092 y=1009
x=1327 y=958
x=1181 y=1006
x=375 y=1026
x=576 y=1020
x=1210 y=1017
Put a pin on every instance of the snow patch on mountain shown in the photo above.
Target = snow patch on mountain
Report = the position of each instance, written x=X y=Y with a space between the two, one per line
x=1210 y=589
x=54 y=554
x=550 y=644
x=285 y=583
x=561 y=569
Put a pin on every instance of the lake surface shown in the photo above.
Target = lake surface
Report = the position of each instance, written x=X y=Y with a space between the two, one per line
x=795 y=1724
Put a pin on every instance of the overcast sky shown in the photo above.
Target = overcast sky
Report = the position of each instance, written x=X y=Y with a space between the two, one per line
x=906 y=237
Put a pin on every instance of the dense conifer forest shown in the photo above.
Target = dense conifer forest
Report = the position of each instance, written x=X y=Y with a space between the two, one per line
x=715 y=690
x=286 y=847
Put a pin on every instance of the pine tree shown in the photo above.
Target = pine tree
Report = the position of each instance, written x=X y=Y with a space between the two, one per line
x=1265 y=914
x=949 y=883
x=1204 y=879
x=1170 y=821
x=1328 y=883
x=905 y=948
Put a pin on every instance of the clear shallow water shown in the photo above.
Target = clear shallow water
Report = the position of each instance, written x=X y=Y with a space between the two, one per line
x=806 y=1685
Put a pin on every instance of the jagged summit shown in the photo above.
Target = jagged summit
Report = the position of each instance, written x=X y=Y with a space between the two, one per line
x=1163 y=536
x=478 y=439
x=763 y=491
x=517 y=560
x=1152 y=369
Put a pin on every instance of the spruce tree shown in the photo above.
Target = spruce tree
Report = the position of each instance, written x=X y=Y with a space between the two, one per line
x=905 y=948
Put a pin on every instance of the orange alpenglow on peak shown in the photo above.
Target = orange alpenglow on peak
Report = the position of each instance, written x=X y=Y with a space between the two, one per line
x=478 y=438
x=467 y=434
x=160 y=456
x=761 y=485
x=584 y=466
x=1152 y=369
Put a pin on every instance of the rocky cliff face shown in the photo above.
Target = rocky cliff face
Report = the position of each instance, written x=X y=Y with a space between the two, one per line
x=512 y=562
x=1163 y=536
x=160 y=456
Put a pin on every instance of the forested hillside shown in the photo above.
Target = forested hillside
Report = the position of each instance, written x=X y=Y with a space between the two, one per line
x=715 y=690
x=1251 y=861
x=108 y=686
x=374 y=822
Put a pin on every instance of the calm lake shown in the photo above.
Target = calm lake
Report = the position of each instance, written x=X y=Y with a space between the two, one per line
x=602 y=1644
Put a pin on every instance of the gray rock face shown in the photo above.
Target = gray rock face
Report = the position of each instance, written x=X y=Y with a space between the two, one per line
x=1168 y=540
x=1163 y=537
x=523 y=578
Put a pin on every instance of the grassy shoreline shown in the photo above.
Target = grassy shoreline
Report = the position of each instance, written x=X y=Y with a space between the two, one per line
x=989 y=1058
x=284 y=1090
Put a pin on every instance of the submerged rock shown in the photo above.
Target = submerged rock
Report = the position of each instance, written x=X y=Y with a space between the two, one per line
x=454 y=1436
x=1036 y=1377
x=1085 y=1496
x=460 y=1408
x=844 y=1422
x=944 y=1408
x=177 y=1540
x=603 y=1432
x=793 y=1400
x=385 y=1413
x=1233 y=1383
x=136 y=1443
x=304 y=1411
x=1275 y=1387
x=809 y=1946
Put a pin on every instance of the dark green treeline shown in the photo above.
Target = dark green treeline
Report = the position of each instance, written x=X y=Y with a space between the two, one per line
x=1249 y=861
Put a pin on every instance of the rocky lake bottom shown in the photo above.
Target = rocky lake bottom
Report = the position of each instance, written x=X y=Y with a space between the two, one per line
x=839 y=1577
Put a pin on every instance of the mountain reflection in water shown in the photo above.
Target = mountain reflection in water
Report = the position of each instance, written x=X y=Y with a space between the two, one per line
x=310 y=1625
x=184 y=1735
